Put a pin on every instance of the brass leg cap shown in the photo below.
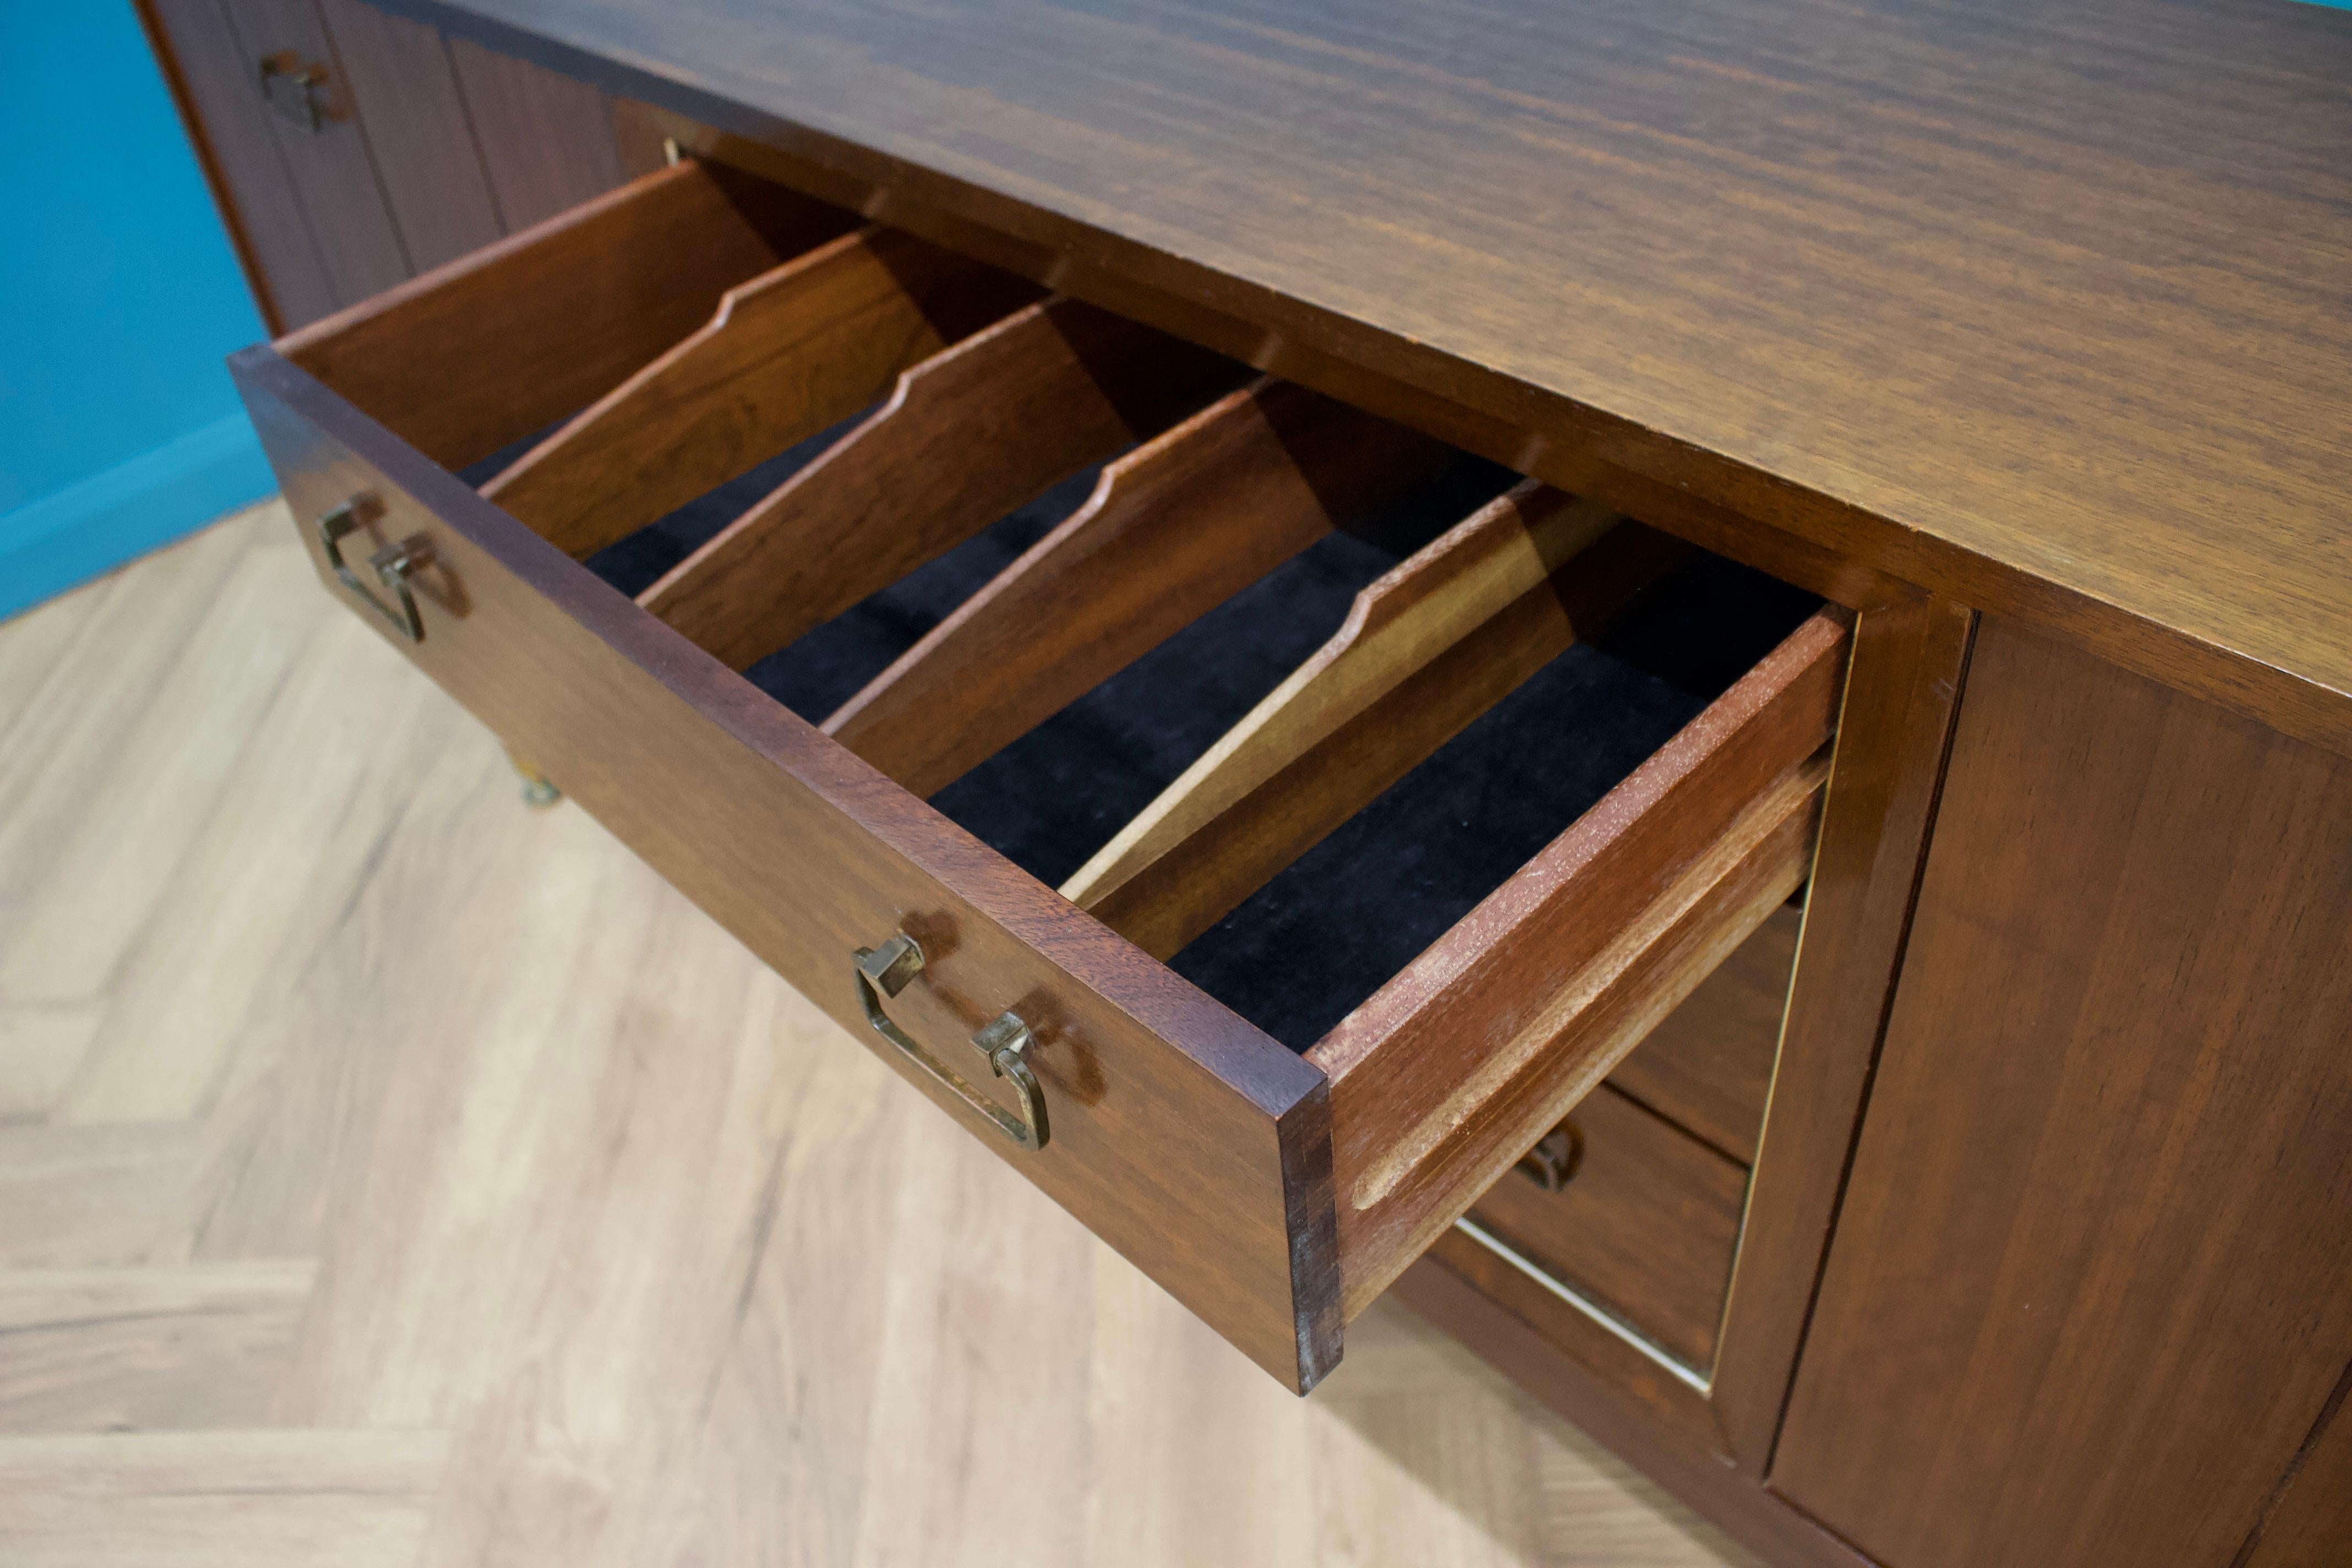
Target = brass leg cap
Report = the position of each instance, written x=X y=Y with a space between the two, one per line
x=538 y=791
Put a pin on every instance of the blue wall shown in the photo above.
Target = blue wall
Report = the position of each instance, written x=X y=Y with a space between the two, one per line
x=119 y=296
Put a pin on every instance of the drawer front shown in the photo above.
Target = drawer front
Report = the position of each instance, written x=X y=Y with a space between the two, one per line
x=1275 y=1189
x=1195 y=1146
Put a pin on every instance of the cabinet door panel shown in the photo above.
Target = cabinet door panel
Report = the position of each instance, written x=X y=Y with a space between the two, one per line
x=2085 y=1302
x=222 y=96
x=548 y=140
x=424 y=149
x=405 y=92
x=329 y=164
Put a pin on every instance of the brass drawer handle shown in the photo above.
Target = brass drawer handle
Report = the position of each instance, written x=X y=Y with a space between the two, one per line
x=391 y=564
x=889 y=967
x=1553 y=1160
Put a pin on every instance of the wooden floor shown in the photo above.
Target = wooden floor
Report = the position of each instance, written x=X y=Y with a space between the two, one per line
x=392 y=1174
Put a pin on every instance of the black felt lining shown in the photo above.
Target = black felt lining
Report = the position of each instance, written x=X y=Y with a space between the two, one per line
x=1321 y=937
x=635 y=563
x=1052 y=798
x=830 y=663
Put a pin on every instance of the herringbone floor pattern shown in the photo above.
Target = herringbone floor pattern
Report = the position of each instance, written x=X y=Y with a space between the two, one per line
x=389 y=1174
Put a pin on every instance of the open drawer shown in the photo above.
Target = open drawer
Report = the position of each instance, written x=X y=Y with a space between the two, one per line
x=861 y=412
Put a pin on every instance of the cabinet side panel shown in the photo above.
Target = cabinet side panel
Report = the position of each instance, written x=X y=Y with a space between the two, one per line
x=2084 y=1300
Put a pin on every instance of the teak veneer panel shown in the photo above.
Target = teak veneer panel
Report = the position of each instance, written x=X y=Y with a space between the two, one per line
x=967 y=435
x=2044 y=312
x=788 y=354
x=2085 y=1299
x=2310 y=1517
x=1173 y=528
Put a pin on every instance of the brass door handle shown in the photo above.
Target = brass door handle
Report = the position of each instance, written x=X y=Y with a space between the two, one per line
x=391 y=565
x=1553 y=1160
x=884 y=971
x=291 y=89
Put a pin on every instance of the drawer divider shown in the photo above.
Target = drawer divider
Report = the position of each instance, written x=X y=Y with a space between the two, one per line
x=1173 y=528
x=973 y=432
x=1425 y=650
x=787 y=354
x=476 y=354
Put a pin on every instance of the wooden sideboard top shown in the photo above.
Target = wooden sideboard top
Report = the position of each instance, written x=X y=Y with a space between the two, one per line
x=2046 y=307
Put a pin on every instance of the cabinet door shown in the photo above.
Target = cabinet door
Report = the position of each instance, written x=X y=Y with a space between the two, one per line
x=277 y=216
x=352 y=149
x=2085 y=1302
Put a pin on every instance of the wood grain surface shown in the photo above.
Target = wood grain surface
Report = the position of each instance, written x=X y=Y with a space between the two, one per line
x=548 y=143
x=540 y=1222
x=1709 y=1431
x=1894 y=723
x=1445 y=1145
x=1707 y=1067
x=420 y=138
x=2044 y=309
x=735 y=799
x=331 y=171
x=216 y=77
x=2112 y=1125
x=420 y=158
x=1452 y=1070
x=2309 y=1519
x=1397 y=624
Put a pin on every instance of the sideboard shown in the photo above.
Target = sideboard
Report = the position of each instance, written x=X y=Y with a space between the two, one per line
x=1676 y=679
